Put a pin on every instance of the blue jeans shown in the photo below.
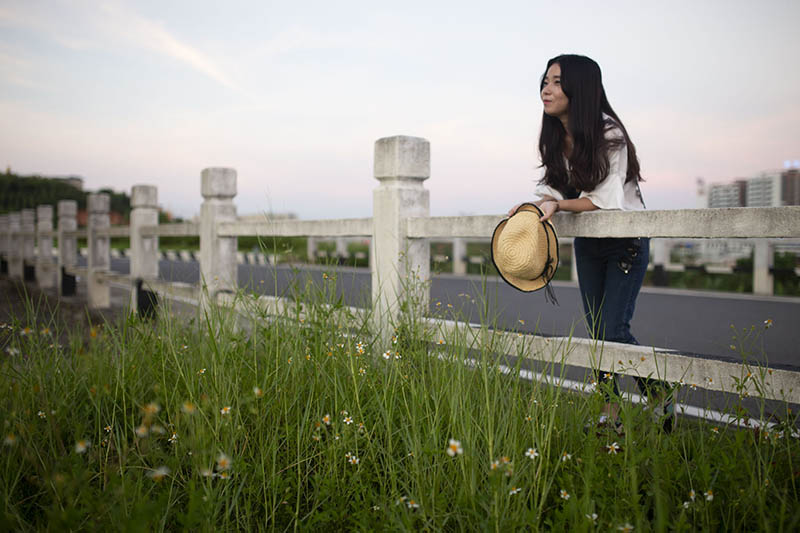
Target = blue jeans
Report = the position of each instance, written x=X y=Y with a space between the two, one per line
x=610 y=274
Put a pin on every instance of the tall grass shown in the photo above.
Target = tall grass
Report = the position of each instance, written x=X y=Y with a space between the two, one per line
x=306 y=421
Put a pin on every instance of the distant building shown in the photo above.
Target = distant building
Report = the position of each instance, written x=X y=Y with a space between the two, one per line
x=772 y=188
x=75 y=181
x=790 y=187
x=116 y=219
x=764 y=190
x=728 y=194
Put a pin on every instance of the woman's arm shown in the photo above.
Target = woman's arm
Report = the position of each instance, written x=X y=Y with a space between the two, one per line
x=578 y=205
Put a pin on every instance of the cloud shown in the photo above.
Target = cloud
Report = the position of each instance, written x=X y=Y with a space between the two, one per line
x=118 y=21
x=82 y=26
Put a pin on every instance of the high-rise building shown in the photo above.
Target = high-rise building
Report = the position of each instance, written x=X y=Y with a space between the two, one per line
x=771 y=188
x=728 y=194
x=764 y=190
x=790 y=187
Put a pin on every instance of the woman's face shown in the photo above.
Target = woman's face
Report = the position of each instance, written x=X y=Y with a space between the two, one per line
x=556 y=103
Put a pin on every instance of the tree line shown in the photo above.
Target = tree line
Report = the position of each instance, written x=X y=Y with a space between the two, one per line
x=28 y=192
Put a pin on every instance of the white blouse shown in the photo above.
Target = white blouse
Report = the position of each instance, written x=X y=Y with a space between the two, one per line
x=612 y=192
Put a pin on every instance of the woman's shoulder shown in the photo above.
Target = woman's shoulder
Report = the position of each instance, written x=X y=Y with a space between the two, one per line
x=612 y=129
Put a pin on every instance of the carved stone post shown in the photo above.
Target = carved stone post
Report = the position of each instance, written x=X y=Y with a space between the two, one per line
x=401 y=266
x=218 y=269
x=763 y=258
x=45 y=266
x=29 y=244
x=459 y=256
x=4 y=244
x=144 y=250
x=661 y=248
x=341 y=250
x=573 y=269
x=98 y=206
x=67 y=246
x=15 y=270
x=311 y=249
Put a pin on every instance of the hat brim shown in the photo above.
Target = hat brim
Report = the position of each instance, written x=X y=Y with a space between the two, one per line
x=521 y=284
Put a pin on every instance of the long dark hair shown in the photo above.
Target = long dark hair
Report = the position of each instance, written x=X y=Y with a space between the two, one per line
x=582 y=83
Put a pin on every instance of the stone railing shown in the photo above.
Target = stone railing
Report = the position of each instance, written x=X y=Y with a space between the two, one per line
x=763 y=251
x=400 y=231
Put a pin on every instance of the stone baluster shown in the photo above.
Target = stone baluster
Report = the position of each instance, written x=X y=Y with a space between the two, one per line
x=661 y=249
x=15 y=269
x=341 y=250
x=460 y=256
x=311 y=249
x=218 y=269
x=45 y=266
x=99 y=292
x=4 y=244
x=400 y=266
x=29 y=244
x=67 y=246
x=763 y=260
x=573 y=268
x=144 y=249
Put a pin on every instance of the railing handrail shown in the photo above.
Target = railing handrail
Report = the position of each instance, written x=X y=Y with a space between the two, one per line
x=770 y=223
x=174 y=229
x=77 y=234
x=115 y=231
x=336 y=227
x=734 y=222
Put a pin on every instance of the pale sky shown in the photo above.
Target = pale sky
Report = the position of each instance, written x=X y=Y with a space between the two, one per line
x=293 y=95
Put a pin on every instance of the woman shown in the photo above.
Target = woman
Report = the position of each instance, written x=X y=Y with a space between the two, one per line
x=590 y=163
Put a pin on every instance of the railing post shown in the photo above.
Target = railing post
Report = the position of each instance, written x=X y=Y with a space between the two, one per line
x=144 y=249
x=762 y=263
x=311 y=250
x=67 y=246
x=341 y=250
x=573 y=267
x=218 y=269
x=401 y=266
x=45 y=266
x=459 y=256
x=661 y=249
x=29 y=244
x=98 y=206
x=4 y=244
x=15 y=270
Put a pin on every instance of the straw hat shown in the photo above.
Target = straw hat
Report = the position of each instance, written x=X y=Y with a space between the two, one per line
x=525 y=250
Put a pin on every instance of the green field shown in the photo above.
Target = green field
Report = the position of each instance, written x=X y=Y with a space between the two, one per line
x=310 y=422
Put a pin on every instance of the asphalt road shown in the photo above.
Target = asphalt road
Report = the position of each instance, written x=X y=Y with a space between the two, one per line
x=698 y=322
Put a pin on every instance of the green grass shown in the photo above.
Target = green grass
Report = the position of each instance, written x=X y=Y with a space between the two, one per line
x=185 y=398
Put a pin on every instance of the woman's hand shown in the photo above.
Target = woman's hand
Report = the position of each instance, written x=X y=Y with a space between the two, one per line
x=514 y=209
x=549 y=208
x=537 y=203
